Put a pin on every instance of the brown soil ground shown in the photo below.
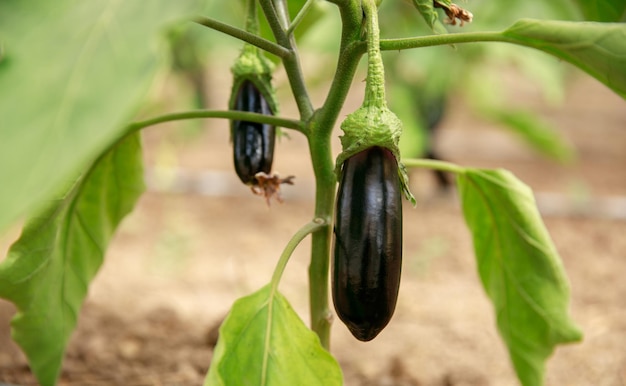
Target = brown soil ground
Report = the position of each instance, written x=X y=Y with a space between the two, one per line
x=181 y=259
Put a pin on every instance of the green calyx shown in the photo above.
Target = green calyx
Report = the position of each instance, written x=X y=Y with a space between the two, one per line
x=367 y=127
x=373 y=124
x=252 y=65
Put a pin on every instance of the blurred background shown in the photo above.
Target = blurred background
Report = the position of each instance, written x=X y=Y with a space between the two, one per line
x=198 y=239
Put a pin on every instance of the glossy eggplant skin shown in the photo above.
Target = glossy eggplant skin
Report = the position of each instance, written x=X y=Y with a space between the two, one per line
x=368 y=242
x=253 y=143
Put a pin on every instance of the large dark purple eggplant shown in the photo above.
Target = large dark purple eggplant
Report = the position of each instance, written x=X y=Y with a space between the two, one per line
x=368 y=242
x=253 y=143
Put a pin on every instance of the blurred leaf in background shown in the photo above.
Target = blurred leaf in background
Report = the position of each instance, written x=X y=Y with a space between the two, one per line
x=430 y=76
x=73 y=76
x=603 y=10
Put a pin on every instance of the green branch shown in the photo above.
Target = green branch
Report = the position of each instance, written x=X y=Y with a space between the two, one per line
x=309 y=228
x=339 y=88
x=375 y=82
x=247 y=37
x=433 y=164
x=298 y=88
x=274 y=22
x=252 y=21
x=301 y=14
x=227 y=114
x=351 y=50
x=291 y=62
x=438 y=40
x=283 y=13
x=321 y=127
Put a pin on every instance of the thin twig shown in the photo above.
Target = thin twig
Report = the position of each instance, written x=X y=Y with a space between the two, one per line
x=247 y=37
x=300 y=16
x=227 y=114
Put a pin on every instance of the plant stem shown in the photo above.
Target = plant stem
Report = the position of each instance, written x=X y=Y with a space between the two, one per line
x=278 y=273
x=437 y=40
x=433 y=164
x=298 y=88
x=228 y=114
x=247 y=37
x=321 y=157
x=282 y=12
x=310 y=227
x=350 y=53
x=375 y=86
x=291 y=62
x=274 y=22
x=301 y=14
x=320 y=131
x=252 y=21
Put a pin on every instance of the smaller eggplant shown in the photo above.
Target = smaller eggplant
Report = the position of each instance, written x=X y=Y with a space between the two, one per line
x=368 y=242
x=253 y=143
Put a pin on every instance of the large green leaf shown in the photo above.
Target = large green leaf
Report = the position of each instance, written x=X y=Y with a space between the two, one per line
x=48 y=270
x=519 y=267
x=263 y=342
x=73 y=73
x=597 y=48
x=603 y=10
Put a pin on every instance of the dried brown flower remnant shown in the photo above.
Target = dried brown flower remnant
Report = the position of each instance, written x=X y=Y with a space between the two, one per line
x=454 y=12
x=268 y=185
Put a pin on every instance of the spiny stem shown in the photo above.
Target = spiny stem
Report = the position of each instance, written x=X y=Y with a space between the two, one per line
x=375 y=86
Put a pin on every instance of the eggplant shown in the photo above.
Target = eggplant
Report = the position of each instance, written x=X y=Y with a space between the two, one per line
x=368 y=242
x=253 y=143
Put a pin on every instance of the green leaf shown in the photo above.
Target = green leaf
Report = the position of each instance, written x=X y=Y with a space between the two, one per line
x=425 y=7
x=536 y=133
x=48 y=270
x=73 y=74
x=603 y=10
x=444 y=3
x=264 y=342
x=519 y=267
x=597 y=48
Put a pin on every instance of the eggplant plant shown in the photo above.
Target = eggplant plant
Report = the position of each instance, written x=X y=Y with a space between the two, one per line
x=72 y=176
